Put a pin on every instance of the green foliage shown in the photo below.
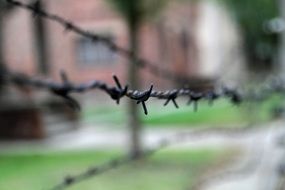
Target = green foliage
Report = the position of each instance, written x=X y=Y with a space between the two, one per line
x=251 y=16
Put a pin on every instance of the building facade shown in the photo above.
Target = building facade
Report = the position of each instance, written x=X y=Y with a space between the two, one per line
x=176 y=41
x=79 y=57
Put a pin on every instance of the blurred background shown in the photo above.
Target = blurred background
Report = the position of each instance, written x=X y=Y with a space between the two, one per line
x=239 y=44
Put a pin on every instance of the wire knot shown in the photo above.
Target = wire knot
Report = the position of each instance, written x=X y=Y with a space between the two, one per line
x=35 y=7
x=142 y=98
x=195 y=97
x=117 y=92
x=212 y=96
x=69 y=180
x=68 y=26
x=64 y=91
x=234 y=96
x=172 y=97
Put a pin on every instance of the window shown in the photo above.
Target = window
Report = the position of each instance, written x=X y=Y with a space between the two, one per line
x=93 y=53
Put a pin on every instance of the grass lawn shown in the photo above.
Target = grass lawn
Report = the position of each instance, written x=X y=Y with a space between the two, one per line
x=168 y=169
x=221 y=113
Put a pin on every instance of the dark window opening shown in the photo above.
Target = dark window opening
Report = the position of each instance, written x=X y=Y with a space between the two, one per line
x=90 y=53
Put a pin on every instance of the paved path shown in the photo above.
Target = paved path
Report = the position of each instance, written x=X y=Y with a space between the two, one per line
x=262 y=149
x=264 y=155
x=103 y=137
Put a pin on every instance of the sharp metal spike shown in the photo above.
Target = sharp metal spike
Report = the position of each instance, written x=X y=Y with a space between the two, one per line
x=144 y=108
x=175 y=104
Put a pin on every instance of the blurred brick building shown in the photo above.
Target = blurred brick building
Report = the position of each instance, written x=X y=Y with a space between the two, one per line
x=196 y=39
x=169 y=40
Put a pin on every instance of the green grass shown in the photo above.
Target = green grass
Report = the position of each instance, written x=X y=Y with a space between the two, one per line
x=221 y=113
x=164 y=170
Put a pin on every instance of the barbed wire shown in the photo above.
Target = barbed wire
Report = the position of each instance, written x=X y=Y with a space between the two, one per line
x=162 y=144
x=117 y=92
x=66 y=88
x=69 y=26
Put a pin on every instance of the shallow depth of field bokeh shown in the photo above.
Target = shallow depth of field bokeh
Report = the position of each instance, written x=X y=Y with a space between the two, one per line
x=217 y=44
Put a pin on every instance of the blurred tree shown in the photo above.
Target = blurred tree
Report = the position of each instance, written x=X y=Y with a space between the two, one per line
x=135 y=12
x=260 y=46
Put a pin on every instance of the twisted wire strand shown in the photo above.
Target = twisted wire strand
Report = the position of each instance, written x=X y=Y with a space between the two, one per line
x=118 y=91
x=66 y=88
x=69 y=26
x=166 y=142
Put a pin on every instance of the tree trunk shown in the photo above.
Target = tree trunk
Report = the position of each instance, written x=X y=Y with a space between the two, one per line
x=134 y=119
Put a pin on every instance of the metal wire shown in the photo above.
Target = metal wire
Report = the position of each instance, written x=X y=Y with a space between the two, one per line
x=69 y=26
x=117 y=92
x=162 y=144
x=66 y=88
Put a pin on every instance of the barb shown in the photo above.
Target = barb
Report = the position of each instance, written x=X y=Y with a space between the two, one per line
x=66 y=88
x=117 y=92
x=69 y=26
x=142 y=97
x=97 y=170
x=162 y=144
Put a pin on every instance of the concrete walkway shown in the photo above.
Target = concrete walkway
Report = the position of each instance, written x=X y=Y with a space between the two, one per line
x=261 y=146
x=259 y=168
x=104 y=137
